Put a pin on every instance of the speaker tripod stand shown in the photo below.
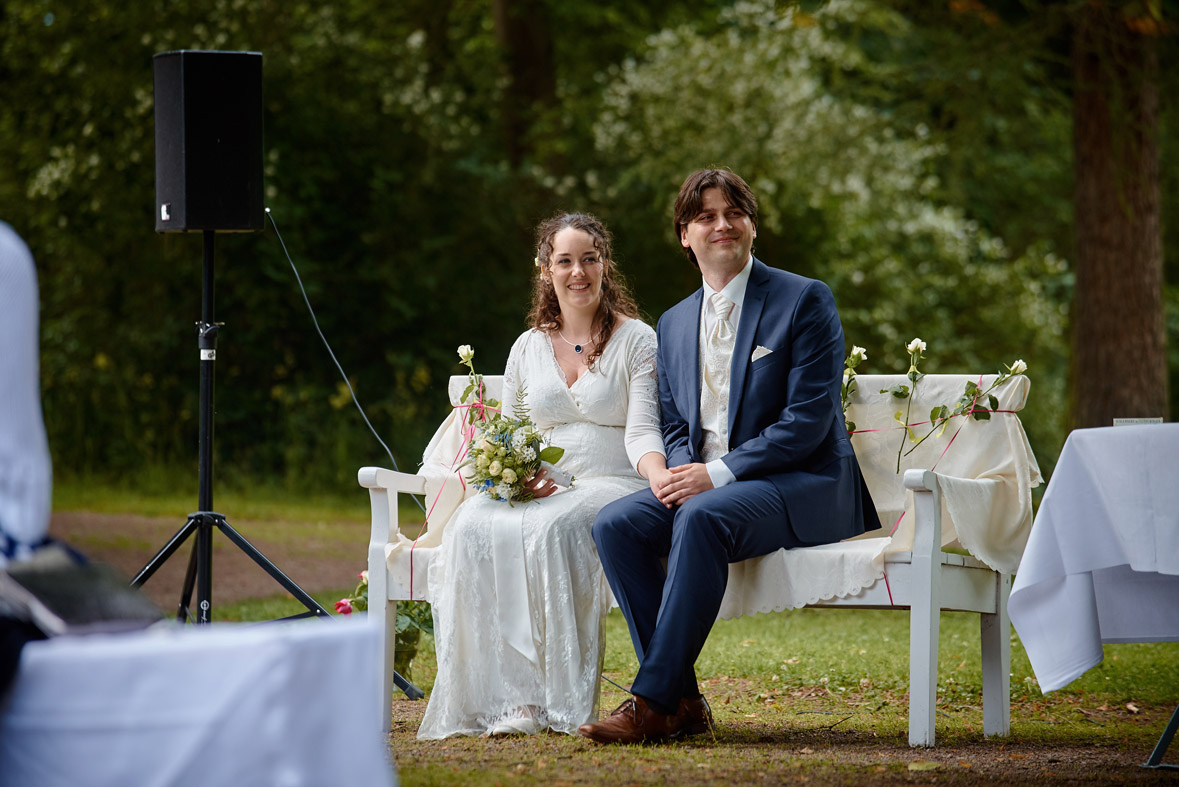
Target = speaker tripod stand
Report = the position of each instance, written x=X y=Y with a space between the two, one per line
x=206 y=520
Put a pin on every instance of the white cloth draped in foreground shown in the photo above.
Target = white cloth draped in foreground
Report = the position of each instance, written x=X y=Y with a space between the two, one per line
x=290 y=704
x=518 y=592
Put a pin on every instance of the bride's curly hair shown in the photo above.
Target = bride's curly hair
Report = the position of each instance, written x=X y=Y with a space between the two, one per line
x=616 y=298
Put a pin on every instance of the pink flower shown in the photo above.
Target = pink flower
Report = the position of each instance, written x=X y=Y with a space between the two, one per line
x=344 y=606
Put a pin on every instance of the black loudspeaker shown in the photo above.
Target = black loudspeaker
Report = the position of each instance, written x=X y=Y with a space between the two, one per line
x=208 y=108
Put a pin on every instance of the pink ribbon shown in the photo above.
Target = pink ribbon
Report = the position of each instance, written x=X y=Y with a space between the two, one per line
x=468 y=436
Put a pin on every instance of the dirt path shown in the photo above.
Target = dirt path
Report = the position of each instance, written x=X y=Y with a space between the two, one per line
x=751 y=752
x=317 y=557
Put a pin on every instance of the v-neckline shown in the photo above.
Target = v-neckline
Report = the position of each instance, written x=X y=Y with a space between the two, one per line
x=561 y=370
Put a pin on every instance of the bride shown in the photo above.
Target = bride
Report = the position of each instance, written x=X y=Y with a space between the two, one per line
x=518 y=594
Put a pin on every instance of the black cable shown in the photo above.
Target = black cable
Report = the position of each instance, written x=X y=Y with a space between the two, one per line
x=315 y=322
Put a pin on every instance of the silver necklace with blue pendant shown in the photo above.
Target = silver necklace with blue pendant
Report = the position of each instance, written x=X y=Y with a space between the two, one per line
x=577 y=348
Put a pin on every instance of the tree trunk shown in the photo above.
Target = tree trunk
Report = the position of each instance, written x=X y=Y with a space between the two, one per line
x=1119 y=341
x=524 y=34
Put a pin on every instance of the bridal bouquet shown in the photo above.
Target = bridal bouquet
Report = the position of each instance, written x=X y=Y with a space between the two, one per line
x=504 y=453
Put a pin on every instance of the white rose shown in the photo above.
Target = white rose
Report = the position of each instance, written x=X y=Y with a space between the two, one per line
x=495 y=468
x=465 y=353
x=1019 y=367
x=916 y=346
x=508 y=476
x=859 y=353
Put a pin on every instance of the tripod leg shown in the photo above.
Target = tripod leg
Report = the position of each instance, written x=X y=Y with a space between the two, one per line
x=271 y=569
x=411 y=691
x=157 y=561
x=182 y=612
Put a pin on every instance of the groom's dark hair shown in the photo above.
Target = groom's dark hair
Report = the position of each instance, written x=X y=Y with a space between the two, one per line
x=691 y=198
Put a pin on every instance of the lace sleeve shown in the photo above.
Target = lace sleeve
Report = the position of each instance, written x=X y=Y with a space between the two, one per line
x=643 y=432
x=512 y=379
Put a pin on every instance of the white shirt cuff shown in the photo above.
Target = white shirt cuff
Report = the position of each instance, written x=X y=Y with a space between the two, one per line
x=720 y=473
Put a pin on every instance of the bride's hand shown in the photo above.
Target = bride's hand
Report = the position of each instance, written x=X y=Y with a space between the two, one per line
x=659 y=478
x=540 y=485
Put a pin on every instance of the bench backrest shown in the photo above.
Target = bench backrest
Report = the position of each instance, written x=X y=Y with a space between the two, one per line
x=989 y=463
x=992 y=455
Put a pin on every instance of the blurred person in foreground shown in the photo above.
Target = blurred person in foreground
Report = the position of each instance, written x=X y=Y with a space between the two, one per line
x=25 y=469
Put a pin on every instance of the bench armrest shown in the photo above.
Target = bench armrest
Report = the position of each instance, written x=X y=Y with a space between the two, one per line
x=383 y=487
x=927 y=511
x=392 y=480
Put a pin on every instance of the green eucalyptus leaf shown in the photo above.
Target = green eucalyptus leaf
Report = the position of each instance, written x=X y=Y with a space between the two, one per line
x=551 y=454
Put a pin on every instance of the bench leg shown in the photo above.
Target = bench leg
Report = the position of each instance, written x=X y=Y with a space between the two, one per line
x=924 y=620
x=926 y=608
x=386 y=620
x=996 y=664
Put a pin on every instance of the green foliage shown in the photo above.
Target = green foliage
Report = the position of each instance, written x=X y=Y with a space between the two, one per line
x=915 y=156
x=415 y=615
x=851 y=191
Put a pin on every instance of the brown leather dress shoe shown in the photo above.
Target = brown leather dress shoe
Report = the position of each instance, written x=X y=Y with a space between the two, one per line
x=634 y=721
x=693 y=717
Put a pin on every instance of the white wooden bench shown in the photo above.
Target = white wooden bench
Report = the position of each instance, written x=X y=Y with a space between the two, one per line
x=968 y=487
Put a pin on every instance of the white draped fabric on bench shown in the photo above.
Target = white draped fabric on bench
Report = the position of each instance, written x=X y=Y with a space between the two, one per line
x=968 y=487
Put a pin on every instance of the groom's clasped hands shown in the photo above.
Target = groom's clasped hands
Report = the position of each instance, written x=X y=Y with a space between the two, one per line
x=676 y=485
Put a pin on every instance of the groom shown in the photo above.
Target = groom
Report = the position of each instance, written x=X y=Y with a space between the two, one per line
x=750 y=368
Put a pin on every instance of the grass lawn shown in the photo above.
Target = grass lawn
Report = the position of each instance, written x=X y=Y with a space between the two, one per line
x=813 y=696
x=820 y=696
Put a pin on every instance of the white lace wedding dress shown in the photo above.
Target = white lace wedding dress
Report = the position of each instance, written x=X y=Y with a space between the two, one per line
x=519 y=597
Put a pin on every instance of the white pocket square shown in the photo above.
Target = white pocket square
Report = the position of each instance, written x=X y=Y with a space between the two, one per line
x=760 y=352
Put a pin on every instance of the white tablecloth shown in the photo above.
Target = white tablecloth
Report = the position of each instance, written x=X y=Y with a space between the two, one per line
x=1102 y=561
x=271 y=704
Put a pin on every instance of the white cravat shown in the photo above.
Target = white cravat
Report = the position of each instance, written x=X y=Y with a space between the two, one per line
x=716 y=360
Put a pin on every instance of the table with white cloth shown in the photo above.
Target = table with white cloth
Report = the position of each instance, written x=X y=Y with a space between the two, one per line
x=233 y=704
x=1102 y=561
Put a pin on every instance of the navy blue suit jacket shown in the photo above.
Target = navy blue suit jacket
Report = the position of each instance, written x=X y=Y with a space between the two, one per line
x=785 y=418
